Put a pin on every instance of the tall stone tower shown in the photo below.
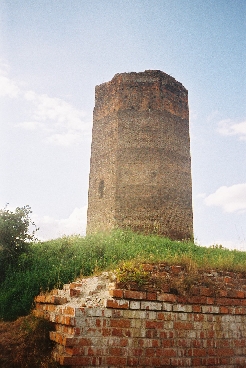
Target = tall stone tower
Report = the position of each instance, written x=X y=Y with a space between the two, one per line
x=140 y=170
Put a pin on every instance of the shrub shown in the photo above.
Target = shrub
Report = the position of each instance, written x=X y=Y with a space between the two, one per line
x=14 y=236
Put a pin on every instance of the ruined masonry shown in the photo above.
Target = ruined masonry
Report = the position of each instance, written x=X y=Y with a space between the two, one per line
x=100 y=323
x=140 y=170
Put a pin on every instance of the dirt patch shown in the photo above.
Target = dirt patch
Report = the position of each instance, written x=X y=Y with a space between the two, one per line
x=25 y=343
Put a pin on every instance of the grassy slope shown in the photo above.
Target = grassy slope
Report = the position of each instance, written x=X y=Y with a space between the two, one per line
x=24 y=343
x=51 y=264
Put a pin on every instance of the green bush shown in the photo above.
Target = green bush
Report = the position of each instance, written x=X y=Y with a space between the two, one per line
x=14 y=236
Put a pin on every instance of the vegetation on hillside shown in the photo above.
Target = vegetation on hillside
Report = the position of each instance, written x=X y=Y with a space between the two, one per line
x=28 y=267
x=15 y=236
x=46 y=265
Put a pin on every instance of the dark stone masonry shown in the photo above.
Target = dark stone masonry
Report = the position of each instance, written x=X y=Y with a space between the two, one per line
x=140 y=170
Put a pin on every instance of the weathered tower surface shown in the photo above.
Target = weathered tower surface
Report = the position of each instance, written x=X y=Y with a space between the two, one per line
x=140 y=170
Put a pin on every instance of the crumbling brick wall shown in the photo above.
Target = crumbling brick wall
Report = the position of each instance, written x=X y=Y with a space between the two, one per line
x=140 y=170
x=148 y=326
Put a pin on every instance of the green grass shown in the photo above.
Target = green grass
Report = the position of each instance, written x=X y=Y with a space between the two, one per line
x=51 y=264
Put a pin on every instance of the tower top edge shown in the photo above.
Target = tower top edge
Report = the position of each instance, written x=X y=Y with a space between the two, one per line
x=142 y=77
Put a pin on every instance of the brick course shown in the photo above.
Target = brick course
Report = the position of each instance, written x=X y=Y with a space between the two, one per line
x=132 y=330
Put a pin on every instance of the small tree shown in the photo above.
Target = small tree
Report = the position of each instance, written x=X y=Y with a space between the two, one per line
x=15 y=235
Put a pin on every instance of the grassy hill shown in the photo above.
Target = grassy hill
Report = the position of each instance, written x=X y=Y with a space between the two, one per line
x=24 y=342
x=50 y=264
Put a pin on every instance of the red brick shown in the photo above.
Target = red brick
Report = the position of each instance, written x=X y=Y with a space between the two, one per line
x=150 y=352
x=59 y=300
x=145 y=362
x=123 y=342
x=67 y=360
x=210 y=301
x=199 y=352
x=165 y=362
x=75 y=350
x=167 y=297
x=196 y=308
x=120 y=332
x=74 y=292
x=106 y=332
x=151 y=296
x=228 y=301
x=116 y=361
x=121 y=323
x=116 y=293
x=197 y=300
x=74 y=285
x=210 y=334
x=240 y=294
x=224 y=310
x=116 y=304
x=195 y=290
x=227 y=279
x=116 y=351
x=154 y=324
x=198 y=317
x=206 y=291
x=196 y=362
x=167 y=343
x=156 y=362
x=84 y=341
x=180 y=325
x=136 y=352
x=223 y=293
x=69 y=310
x=165 y=288
x=161 y=315
x=166 y=352
x=40 y=299
x=94 y=351
x=50 y=307
x=225 y=352
x=83 y=361
x=131 y=294
x=240 y=343
x=155 y=343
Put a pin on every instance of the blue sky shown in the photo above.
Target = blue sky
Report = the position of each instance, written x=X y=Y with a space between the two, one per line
x=54 y=53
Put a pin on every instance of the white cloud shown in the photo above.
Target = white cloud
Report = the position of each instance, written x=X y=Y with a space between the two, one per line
x=64 y=139
x=231 y=199
x=8 y=88
x=51 y=228
x=61 y=122
x=201 y=195
x=228 y=127
x=30 y=125
x=58 y=110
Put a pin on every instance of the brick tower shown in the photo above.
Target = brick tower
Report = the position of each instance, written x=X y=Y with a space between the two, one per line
x=140 y=169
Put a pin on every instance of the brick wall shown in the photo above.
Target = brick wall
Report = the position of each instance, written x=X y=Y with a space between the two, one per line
x=140 y=168
x=148 y=327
